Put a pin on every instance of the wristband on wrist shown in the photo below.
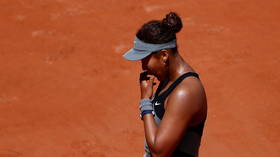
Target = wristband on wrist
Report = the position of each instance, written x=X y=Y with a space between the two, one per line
x=146 y=104
x=146 y=112
x=146 y=107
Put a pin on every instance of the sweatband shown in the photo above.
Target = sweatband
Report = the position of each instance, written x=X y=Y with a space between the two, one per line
x=145 y=104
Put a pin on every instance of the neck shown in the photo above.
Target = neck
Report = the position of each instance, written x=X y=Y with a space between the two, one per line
x=177 y=67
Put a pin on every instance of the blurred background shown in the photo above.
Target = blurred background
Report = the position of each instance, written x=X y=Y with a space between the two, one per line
x=66 y=91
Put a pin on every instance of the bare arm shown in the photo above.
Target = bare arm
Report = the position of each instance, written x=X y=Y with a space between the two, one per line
x=182 y=104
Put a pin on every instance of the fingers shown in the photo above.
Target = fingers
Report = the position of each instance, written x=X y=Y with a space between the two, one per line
x=144 y=76
x=153 y=80
x=146 y=84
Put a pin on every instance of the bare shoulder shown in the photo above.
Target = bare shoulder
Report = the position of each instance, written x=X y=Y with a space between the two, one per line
x=188 y=97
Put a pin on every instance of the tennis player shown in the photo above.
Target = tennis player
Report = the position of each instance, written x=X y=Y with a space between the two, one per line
x=174 y=115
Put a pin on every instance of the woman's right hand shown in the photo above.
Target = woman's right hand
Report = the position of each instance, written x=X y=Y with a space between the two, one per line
x=146 y=85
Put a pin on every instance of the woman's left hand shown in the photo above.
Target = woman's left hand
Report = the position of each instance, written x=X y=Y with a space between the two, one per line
x=146 y=85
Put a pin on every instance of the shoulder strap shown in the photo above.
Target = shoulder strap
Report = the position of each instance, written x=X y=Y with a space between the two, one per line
x=178 y=81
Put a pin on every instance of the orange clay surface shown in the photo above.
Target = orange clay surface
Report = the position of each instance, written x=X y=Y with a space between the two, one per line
x=66 y=91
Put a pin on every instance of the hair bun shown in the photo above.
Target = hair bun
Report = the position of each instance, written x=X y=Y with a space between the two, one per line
x=172 y=22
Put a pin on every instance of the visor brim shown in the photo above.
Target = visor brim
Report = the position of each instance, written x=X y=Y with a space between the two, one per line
x=135 y=55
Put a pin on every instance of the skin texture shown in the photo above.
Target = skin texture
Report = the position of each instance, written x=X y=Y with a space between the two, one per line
x=66 y=90
x=185 y=106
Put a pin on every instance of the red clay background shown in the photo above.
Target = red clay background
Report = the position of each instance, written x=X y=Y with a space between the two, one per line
x=66 y=91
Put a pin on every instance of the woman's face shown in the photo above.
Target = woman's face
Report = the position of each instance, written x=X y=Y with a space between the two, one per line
x=154 y=65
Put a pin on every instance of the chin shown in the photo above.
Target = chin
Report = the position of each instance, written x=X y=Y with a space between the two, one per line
x=155 y=75
x=160 y=79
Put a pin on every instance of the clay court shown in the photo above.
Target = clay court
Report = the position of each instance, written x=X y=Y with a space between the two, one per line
x=66 y=91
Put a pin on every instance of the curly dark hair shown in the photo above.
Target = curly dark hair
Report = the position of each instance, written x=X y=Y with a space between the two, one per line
x=161 y=31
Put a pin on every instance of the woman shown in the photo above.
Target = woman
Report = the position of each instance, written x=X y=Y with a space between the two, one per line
x=174 y=116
